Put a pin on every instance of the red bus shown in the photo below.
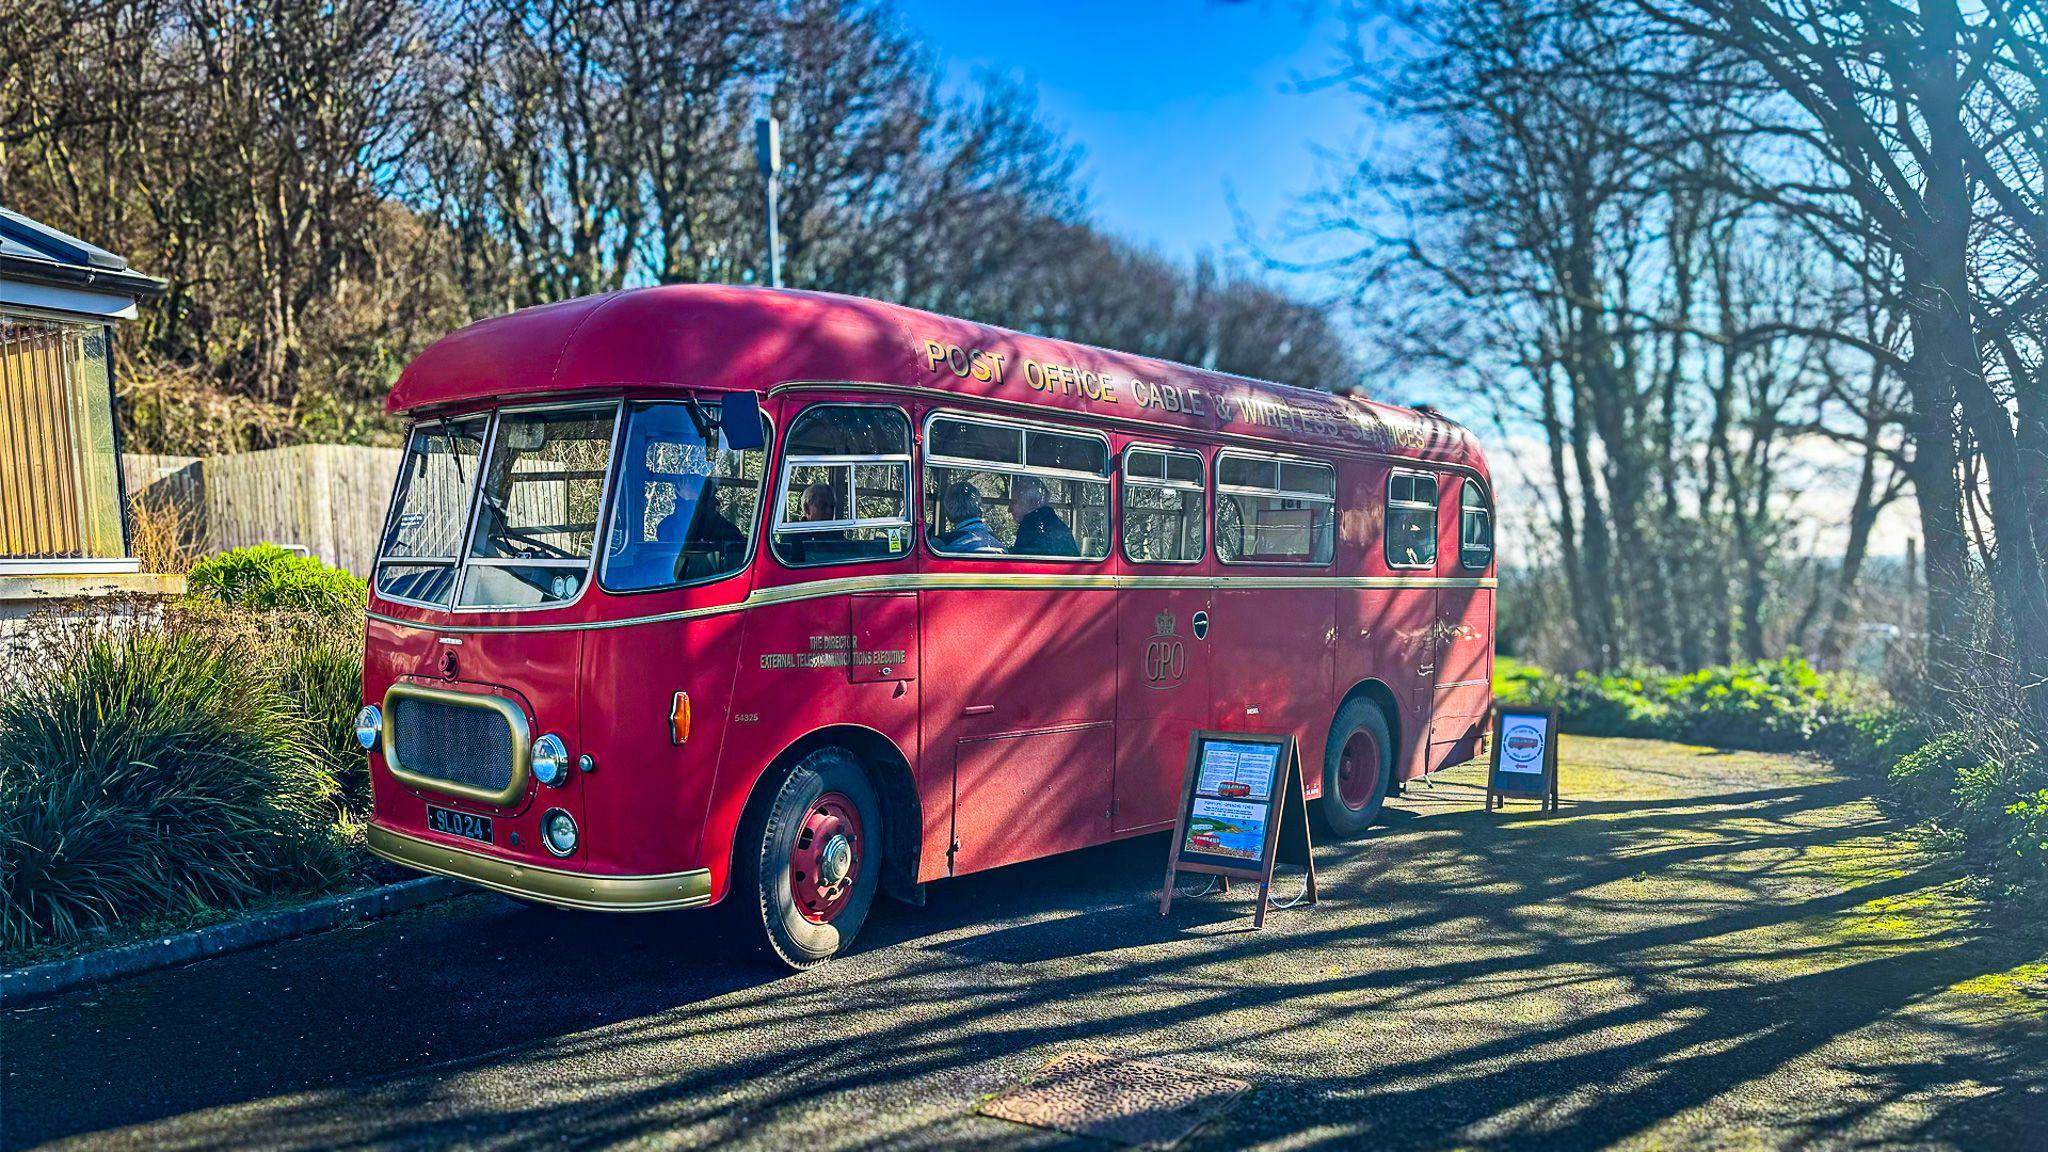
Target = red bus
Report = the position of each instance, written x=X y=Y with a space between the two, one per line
x=692 y=594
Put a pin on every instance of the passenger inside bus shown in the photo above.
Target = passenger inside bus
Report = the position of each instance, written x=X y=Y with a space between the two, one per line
x=1040 y=531
x=705 y=542
x=966 y=532
x=820 y=504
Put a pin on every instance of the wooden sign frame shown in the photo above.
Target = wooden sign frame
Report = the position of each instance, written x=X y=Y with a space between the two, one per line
x=1286 y=839
x=1546 y=790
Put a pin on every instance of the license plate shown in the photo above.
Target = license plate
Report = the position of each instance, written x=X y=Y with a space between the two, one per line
x=453 y=823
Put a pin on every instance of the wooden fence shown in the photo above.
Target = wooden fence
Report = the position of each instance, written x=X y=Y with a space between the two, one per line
x=327 y=498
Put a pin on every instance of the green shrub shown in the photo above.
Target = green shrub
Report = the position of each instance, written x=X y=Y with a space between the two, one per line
x=2025 y=859
x=1770 y=705
x=1923 y=781
x=1627 y=703
x=147 y=774
x=268 y=576
x=1873 y=736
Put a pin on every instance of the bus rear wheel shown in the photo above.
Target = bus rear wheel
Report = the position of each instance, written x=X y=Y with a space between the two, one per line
x=1358 y=768
x=817 y=858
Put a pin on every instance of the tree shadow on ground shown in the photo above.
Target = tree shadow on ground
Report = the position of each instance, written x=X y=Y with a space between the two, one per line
x=1747 y=963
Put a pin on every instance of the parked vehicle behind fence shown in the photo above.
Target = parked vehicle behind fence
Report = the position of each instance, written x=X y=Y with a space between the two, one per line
x=695 y=594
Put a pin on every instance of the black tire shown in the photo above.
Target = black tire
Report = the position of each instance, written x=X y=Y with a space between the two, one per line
x=1354 y=792
x=768 y=889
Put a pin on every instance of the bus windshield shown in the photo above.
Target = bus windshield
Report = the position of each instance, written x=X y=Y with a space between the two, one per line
x=537 y=511
x=535 y=481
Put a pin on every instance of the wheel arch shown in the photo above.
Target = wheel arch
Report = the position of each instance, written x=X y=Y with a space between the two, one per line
x=887 y=768
x=1377 y=691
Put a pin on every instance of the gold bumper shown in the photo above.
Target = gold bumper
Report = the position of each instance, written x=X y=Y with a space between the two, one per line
x=548 y=885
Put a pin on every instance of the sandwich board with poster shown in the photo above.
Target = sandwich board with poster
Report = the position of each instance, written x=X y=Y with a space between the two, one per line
x=1524 y=761
x=1243 y=810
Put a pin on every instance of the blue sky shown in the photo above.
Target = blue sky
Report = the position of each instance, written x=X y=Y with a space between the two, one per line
x=1174 y=101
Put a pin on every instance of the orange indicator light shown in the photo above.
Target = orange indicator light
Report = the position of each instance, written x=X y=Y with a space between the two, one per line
x=679 y=719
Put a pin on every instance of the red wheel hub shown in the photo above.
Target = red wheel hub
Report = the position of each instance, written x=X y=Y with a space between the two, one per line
x=825 y=861
x=1358 y=770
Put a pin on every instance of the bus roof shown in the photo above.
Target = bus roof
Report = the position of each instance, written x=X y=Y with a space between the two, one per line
x=706 y=337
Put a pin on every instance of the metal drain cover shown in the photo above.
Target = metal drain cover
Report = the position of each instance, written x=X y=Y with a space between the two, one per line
x=1125 y=1101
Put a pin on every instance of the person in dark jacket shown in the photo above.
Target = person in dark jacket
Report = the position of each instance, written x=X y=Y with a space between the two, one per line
x=965 y=532
x=1040 y=531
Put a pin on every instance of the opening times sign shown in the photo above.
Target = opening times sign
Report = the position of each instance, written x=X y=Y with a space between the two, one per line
x=1233 y=800
x=1242 y=811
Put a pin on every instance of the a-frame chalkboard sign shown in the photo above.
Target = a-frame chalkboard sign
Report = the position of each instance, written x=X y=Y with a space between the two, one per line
x=1243 y=810
x=1524 y=761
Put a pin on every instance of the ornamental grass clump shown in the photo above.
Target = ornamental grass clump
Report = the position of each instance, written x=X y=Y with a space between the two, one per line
x=146 y=774
x=320 y=670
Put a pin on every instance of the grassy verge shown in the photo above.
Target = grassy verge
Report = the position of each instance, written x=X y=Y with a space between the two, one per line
x=1979 y=795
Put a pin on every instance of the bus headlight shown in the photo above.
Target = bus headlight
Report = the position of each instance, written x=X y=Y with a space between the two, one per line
x=558 y=832
x=551 y=761
x=369 y=726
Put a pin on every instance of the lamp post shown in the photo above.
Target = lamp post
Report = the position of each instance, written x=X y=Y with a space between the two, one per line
x=768 y=153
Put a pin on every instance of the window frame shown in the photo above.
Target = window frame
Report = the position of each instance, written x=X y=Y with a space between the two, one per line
x=454 y=563
x=1472 y=484
x=769 y=446
x=1436 y=511
x=912 y=497
x=1107 y=478
x=1200 y=488
x=1218 y=488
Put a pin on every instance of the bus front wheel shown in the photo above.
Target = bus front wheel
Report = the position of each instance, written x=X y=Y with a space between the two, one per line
x=816 y=859
x=1358 y=768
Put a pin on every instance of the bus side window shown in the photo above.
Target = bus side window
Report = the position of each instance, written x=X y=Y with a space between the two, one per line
x=1271 y=510
x=1162 y=502
x=1475 y=527
x=1411 y=520
x=996 y=489
x=845 y=491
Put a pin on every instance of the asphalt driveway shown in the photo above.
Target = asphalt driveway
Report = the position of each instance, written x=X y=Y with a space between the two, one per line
x=1701 y=950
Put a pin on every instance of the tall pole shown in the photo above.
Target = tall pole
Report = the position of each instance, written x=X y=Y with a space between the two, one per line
x=768 y=152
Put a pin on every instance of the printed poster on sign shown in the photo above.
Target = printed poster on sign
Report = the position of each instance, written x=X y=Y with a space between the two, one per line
x=1522 y=743
x=1237 y=771
x=1227 y=828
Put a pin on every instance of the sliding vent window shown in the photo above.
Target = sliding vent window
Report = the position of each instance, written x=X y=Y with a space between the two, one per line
x=417 y=561
x=995 y=489
x=1162 y=506
x=1475 y=528
x=686 y=506
x=536 y=520
x=1411 y=520
x=1274 y=511
x=845 y=487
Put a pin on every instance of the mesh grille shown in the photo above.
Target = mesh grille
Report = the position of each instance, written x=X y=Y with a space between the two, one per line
x=462 y=745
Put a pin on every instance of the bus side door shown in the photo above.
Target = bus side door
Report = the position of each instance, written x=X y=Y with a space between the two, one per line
x=1464 y=633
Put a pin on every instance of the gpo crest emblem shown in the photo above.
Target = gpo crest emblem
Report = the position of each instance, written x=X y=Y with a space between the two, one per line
x=1166 y=658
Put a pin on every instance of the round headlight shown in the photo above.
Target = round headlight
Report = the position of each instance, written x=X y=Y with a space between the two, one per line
x=369 y=726
x=551 y=761
x=558 y=832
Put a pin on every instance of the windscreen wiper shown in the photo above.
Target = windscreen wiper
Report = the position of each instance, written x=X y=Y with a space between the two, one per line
x=449 y=435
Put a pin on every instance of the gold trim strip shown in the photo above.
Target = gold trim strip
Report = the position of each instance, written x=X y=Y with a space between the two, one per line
x=514 y=717
x=920 y=581
x=549 y=885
